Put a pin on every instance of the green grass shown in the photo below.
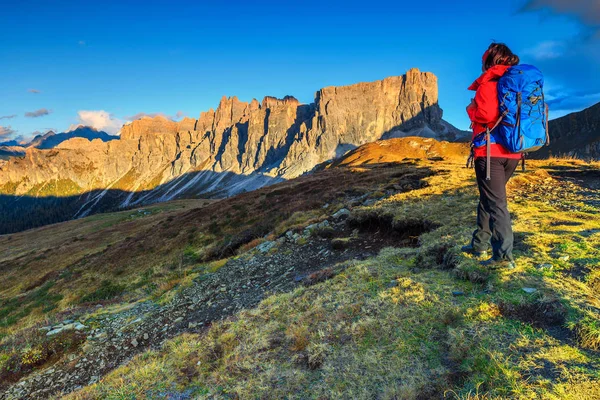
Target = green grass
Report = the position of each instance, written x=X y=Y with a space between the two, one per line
x=106 y=291
x=389 y=327
x=56 y=187
x=41 y=298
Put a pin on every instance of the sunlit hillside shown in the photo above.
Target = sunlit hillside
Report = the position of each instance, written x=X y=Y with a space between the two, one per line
x=346 y=283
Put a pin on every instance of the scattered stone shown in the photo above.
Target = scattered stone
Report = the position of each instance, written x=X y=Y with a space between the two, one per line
x=264 y=247
x=310 y=228
x=216 y=297
x=69 y=326
x=545 y=266
x=54 y=331
x=529 y=290
x=343 y=213
x=564 y=258
x=313 y=227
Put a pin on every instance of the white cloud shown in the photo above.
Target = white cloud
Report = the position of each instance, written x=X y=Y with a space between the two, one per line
x=6 y=131
x=548 y=50
x=100 y=120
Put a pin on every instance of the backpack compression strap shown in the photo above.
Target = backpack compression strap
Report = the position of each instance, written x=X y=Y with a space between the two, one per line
x=489 y=146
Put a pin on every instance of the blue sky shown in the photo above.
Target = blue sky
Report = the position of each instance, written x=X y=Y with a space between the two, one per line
x=102 y=63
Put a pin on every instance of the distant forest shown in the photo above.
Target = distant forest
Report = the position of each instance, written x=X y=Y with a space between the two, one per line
x=21 y=213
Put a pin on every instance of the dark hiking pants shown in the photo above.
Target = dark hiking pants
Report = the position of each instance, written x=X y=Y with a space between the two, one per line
x=493 y=219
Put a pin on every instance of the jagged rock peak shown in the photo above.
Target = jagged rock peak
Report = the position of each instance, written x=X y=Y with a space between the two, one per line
x=147 y=125
x=239 y=146
x=270 y=101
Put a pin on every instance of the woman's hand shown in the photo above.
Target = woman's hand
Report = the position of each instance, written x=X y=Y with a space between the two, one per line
x=472 y=104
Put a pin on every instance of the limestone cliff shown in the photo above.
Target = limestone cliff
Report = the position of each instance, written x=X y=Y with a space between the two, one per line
x=237 y=147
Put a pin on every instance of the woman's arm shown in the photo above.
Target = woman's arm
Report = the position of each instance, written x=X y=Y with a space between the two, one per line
x=484 y=108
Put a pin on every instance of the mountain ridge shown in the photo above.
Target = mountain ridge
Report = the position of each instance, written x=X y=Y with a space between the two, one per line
x=576 y=135
x=239 y=146
x=51 y=139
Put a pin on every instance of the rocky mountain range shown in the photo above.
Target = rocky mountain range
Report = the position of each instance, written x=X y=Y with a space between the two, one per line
x=576 y=135
x=51 y=139
x=240 y=146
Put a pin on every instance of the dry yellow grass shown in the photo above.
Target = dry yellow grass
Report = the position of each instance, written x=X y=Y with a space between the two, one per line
x=389 y=327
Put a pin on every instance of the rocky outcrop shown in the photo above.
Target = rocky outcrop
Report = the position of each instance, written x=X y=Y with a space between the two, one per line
x=576 y=135
x=237 y=147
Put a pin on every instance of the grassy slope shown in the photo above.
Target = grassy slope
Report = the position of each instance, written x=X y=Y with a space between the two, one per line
x=52 y=268
x=388 y=326
x=62 y=271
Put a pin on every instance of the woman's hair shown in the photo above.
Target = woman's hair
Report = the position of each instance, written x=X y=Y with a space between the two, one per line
x=499 y=54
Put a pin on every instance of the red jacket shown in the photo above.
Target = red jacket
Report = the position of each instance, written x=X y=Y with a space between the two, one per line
x=484 y=110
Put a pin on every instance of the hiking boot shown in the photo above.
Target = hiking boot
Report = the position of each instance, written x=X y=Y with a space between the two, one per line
x=470 y=250
x=497 y=263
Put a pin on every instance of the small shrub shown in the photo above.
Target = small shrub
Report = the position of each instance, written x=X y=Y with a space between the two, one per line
x=230 y=244
x=299 y=336
x=32 y=356
x=473 y=273
x=106 y=291
x=319 y=276
x=340 y=243
x=588 y=333
x=44 y=350
x=325 y=232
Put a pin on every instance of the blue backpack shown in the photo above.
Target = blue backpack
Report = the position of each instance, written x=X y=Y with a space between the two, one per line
x=523 y=123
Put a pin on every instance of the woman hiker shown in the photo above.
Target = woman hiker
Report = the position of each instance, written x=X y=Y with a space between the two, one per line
x=493 y=218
